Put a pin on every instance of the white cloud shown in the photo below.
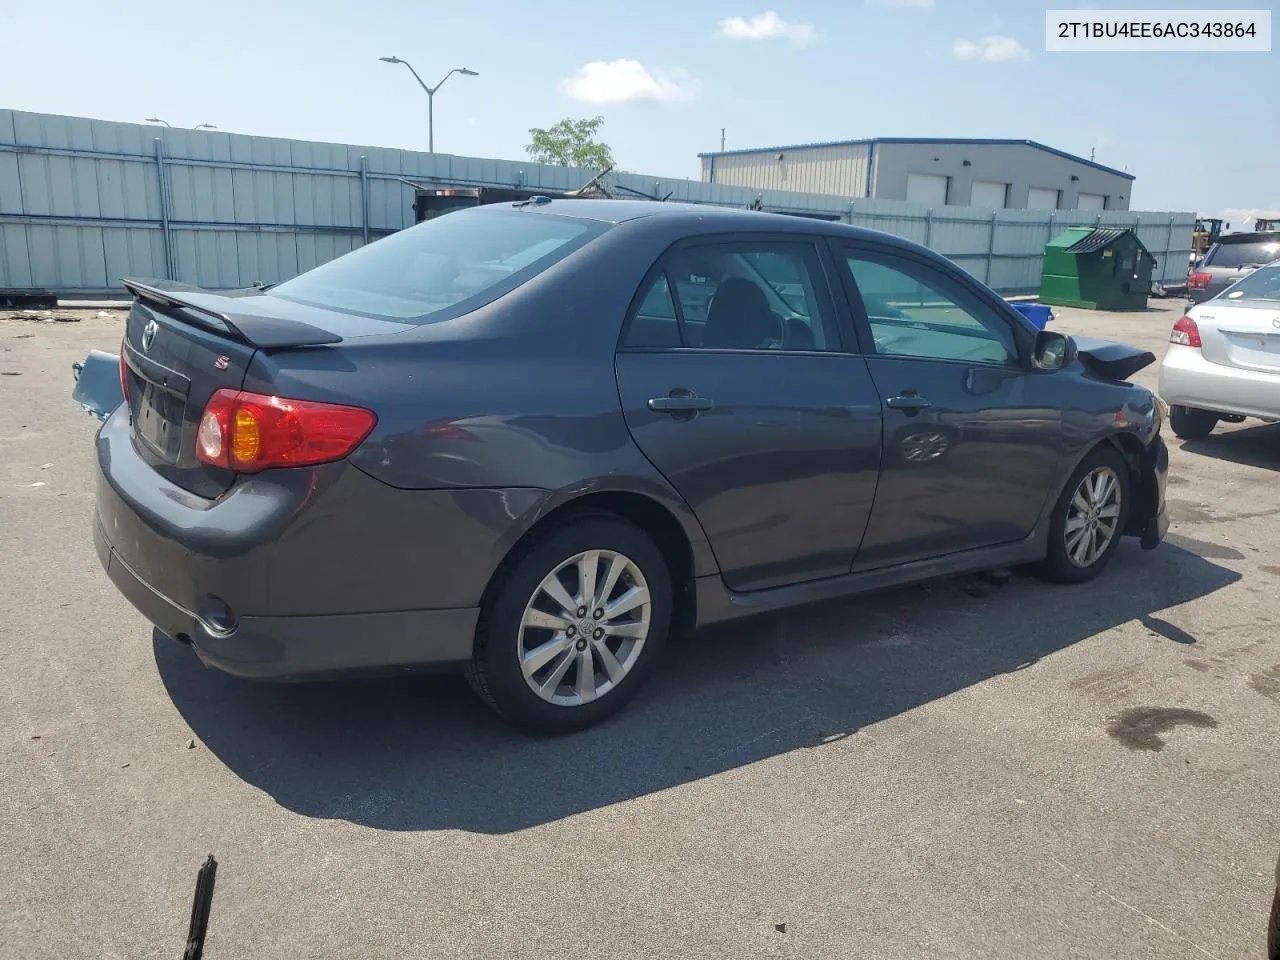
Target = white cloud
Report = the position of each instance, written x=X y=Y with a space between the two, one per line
x=898 y=4
x=627 y=81
x=767 y=26
x=991 y=49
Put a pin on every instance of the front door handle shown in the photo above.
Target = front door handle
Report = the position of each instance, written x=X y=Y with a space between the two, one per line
x=909 y=402
x=681 y=404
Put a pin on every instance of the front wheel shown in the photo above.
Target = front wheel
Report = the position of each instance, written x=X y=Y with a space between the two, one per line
x=571 y=632
x=1188 y=423
x=1088 y=519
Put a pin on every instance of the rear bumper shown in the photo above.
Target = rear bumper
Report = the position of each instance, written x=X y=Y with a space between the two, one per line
x=295 y=648
x=324 y=570
x=1189 y=380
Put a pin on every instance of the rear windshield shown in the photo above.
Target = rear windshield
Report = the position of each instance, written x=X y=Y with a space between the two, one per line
x=1250 y=252
x=442 y=268
x=1262 y=284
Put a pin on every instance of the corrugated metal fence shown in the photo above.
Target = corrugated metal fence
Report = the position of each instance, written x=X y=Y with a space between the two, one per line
x=84 y=202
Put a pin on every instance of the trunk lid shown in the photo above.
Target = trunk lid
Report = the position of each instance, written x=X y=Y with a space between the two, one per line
x=1245 y=334
x=182 y=344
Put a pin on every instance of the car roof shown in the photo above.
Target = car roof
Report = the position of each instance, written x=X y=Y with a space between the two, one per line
x=708 y=218
x=1266 y=236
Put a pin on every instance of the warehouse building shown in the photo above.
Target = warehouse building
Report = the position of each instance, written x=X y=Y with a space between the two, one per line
x=995 y=174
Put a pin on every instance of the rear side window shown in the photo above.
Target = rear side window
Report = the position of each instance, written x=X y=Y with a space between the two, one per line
x=736 y=296
x=1249 y=253
x=442 y=268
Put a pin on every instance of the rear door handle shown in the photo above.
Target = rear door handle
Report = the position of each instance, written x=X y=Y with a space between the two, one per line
x=681 y=404
x=908 y=402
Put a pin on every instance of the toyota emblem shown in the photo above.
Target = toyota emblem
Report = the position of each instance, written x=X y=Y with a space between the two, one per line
x=149 y=334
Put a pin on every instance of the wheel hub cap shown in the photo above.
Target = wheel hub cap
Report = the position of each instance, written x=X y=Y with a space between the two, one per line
x=584 y=627
x=1093 y=516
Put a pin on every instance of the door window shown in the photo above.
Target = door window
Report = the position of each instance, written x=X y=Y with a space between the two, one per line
x=740 y=296
x=914 y=311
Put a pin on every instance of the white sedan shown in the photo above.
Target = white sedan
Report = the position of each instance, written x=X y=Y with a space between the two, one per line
x=1223 y=361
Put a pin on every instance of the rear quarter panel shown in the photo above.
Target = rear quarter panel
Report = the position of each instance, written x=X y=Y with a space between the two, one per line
x=519 y=394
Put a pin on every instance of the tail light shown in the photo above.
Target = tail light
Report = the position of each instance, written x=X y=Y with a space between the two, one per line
x=1186 y=333
x=124 y=373
x=247 y=432
x=1198 y=280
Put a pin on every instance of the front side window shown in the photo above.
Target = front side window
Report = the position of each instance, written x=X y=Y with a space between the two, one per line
x=442 y=268
x=736 y=297
x=915 y=312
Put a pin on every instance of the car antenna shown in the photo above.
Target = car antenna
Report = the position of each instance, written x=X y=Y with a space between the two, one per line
x=537 y=200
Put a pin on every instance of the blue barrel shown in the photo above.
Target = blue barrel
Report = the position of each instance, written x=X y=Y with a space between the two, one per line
x=1037 y=313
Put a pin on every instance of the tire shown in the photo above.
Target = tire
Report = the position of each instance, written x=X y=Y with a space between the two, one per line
x=1188 y=423
x=1273 y=929
x=1067 y=561
x=570 y=701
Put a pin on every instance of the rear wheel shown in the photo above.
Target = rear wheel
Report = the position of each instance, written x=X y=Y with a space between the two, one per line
x=571 y=632
x=1188 y=423
x=1089 y=518
x=1273 y=929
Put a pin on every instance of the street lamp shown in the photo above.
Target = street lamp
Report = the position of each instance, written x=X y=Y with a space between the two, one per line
x=199 y=126
x=431 y=94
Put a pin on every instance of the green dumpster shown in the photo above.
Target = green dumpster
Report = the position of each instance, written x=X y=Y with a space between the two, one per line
x=1099 y=268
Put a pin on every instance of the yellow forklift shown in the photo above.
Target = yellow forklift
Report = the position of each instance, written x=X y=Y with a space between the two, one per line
x=1205 y=235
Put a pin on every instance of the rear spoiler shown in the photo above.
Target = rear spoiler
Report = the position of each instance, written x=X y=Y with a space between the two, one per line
x=1112 y=361
x=265 y=332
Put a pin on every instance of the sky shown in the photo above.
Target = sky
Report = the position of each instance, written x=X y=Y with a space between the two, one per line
x=667 y=76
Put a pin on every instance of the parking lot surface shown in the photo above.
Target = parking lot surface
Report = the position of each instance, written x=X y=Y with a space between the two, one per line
x=952 y=770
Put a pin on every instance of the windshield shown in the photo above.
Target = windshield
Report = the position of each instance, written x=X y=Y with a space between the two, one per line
x=1262 y=284
x=1244 y=254
x=442 y=268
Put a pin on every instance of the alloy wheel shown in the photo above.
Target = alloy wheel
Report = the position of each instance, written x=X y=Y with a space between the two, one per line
x=584 y=627
x=1093 y=516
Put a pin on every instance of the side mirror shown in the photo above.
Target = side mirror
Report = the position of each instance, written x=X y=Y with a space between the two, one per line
x=1053 y=351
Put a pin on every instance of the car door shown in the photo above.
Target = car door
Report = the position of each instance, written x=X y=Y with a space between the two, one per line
x=736 y=385
x=970 y=429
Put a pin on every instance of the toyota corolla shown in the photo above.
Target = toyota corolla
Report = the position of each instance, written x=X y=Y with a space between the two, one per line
x=532 y=442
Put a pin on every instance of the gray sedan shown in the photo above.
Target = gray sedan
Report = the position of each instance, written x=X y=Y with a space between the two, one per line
x=535 y=441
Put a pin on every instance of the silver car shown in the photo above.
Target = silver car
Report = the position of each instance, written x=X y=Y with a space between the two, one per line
x=1223 y=361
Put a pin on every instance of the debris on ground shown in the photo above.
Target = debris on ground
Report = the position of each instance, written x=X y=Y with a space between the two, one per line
x=191 y=744
x=64 y=314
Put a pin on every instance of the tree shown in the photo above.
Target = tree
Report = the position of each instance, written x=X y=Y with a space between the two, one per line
x=570 y=143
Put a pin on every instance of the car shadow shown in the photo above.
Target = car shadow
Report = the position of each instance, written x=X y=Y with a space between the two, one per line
x=1256 y=446
x=422 y=753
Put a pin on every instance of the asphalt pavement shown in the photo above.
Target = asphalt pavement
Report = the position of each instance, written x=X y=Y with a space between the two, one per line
x=954 y=770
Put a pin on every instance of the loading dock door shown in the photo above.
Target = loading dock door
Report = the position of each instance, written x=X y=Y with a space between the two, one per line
x=1092 y=201
x=989 y=194
x=1042 y=198
x=930 y=188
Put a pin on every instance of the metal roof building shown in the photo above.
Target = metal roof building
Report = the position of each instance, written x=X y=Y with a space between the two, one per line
x=995 y=174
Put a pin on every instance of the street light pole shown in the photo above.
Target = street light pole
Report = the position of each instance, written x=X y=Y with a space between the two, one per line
x=431 y=94
x=158 y=120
